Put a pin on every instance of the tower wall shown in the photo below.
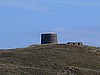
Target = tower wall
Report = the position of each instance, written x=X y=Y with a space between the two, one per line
x=49 y=38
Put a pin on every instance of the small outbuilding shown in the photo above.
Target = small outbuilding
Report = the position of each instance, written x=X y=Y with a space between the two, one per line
x=75 y=43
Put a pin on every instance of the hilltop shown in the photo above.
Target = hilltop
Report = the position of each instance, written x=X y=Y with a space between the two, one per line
x=53 y=59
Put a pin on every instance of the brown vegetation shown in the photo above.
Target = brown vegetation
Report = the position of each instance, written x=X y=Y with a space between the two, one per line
x=60 y=59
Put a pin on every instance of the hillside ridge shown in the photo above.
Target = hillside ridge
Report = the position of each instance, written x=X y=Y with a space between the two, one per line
x=51 y=59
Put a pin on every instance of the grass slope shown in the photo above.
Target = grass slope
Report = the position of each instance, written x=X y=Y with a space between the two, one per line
x=58 y=59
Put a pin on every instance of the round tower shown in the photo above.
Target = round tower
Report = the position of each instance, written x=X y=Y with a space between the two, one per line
x=49 y=38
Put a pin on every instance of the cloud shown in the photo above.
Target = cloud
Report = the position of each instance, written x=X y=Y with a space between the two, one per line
x=34 y=5
x=79 y=3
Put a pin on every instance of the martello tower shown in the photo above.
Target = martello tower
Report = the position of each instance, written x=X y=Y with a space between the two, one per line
x=49 y=38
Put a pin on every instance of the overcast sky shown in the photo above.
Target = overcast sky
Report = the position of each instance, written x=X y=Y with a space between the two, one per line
x=22 y=21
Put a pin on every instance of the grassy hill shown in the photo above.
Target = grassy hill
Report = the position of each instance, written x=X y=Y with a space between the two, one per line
x=51 y=59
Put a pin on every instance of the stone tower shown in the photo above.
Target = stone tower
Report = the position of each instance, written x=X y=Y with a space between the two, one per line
x=49 y=38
